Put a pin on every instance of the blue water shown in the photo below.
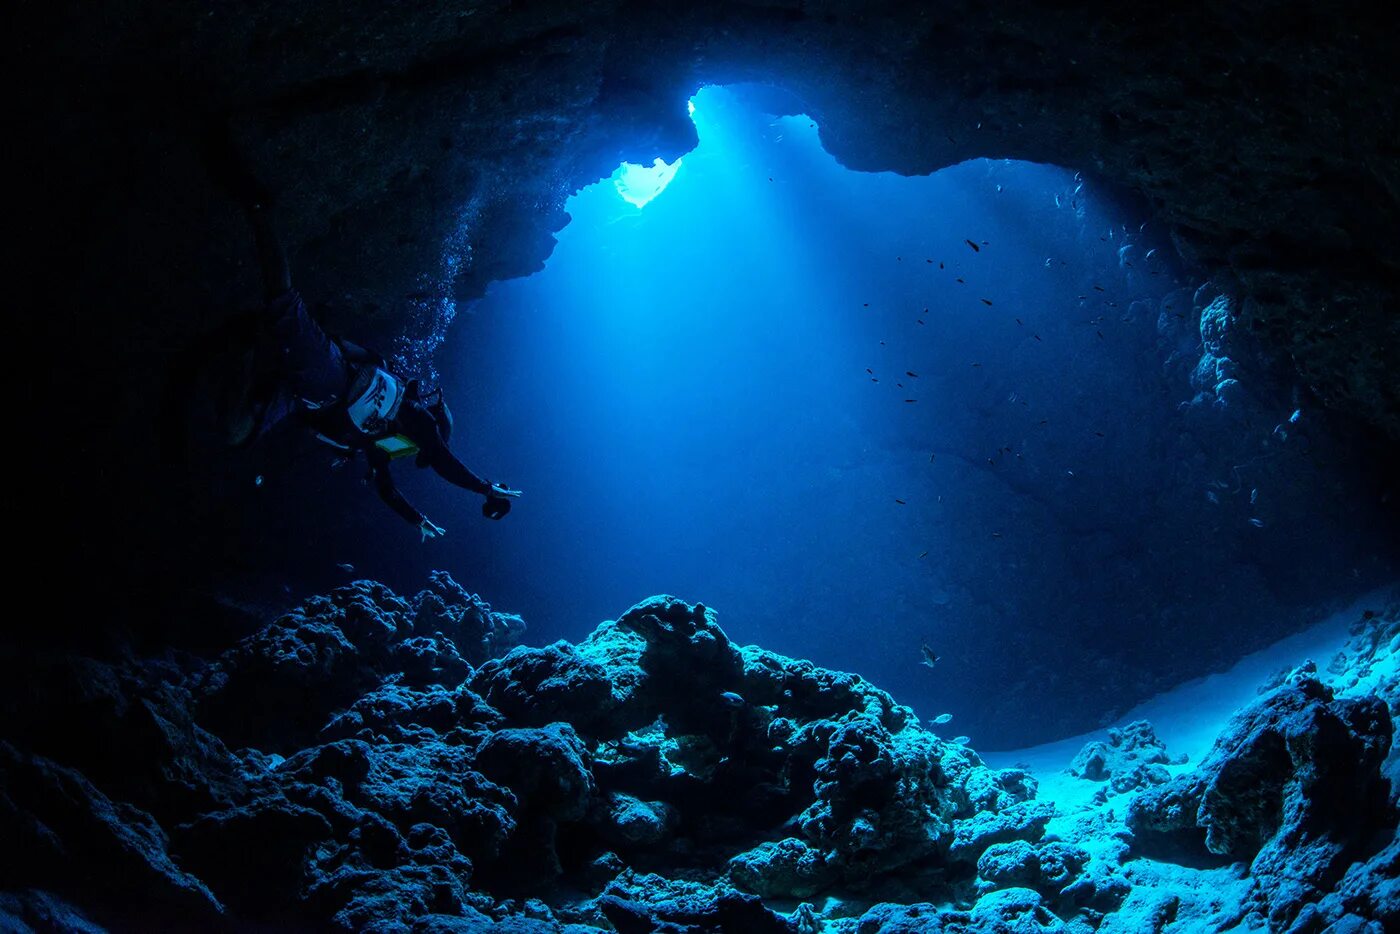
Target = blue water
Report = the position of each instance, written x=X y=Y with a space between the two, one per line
x=709 y=395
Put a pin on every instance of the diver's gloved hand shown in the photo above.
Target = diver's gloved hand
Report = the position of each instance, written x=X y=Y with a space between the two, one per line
x=498 y=501
x=429 y=530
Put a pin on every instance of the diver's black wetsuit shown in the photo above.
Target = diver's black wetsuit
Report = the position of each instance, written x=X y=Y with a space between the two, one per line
x=318 y=373
x=414 y=422
x=317 y=379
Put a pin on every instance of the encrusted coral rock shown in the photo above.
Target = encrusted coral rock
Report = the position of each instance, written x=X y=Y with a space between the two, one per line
x=787 y=868
x=1293 y=785
x=547 y=768
x=538 y=686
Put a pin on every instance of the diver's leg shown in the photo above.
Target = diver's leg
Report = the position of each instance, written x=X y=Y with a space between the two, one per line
x=308 y=361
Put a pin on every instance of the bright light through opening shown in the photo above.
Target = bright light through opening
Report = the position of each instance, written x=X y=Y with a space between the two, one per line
x=639 y=184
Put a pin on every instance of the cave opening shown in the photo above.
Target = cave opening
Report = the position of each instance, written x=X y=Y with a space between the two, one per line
x=859 y=413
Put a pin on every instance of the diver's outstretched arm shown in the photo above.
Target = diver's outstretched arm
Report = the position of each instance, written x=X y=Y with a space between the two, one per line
x=447 y=466
x=272 y=259
x=384 y=485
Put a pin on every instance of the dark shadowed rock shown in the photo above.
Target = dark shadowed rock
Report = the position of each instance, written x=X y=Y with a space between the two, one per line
x=1293 y=786
x=60 y=830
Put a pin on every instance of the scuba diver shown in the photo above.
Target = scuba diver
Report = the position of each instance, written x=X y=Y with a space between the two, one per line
x=347 y=395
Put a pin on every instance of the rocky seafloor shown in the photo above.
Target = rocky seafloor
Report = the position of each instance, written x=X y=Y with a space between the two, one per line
x=369 y=762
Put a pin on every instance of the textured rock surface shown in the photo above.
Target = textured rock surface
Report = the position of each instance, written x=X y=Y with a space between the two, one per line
x=704 y=787
x=1294 y=787
x=1132 y=758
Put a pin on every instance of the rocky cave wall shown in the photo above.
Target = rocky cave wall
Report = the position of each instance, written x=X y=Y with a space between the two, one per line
x=419 y=153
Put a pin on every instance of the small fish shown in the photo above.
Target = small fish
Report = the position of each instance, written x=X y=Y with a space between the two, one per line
x=731 y=699
x=1257 y=523
x=1099 y=433
x=975 y=247
x=346 y=567
x=1297 y=414
x=901 y=502
x=866 y=305
x=962 y=740
x=899 y=385
x=1098 y=288
x=996 y=535
x=931 y=457
x=870 y=371
x=911 y=374
x=1069 y=473
x=923 y=554
x=987 y=302
x=1211 y=495
x=1045 y=421
x=258 y=480
x=940 y=265
x=1253 y=496
x=1037 y=337
x=977 y=364
x=942 y=719
x=874 y=380
x=930 y=659
x=1148 y=255
x=929 y=261
x=1018 y=320
x=960 y=279
x=920 y=321
x=911 y=400
x=1100 y=334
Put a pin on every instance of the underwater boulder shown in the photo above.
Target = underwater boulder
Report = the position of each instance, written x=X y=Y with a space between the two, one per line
x=684 y=646
x=1293 y=786
x=533 y=687
x=808 y=692
x=280 y=684
x=1023 y=821
x=1047 y=867
x=892 y=918
x=1012 y=911
x=644 y=903
x=62 y=833
x=627 y=822
x=546 y=768
x=1367 y=894
x=128 y=726
x=478 y=632
x=33 y=911
x=428 y=660
x=787 y=868
x=407 y=784
x=878 y=795
x=395 y=712
x=254 y=854
x=1133 y=758
x=1216 y=321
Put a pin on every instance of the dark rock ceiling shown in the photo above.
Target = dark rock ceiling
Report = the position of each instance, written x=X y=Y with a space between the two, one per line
x=420 y=151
